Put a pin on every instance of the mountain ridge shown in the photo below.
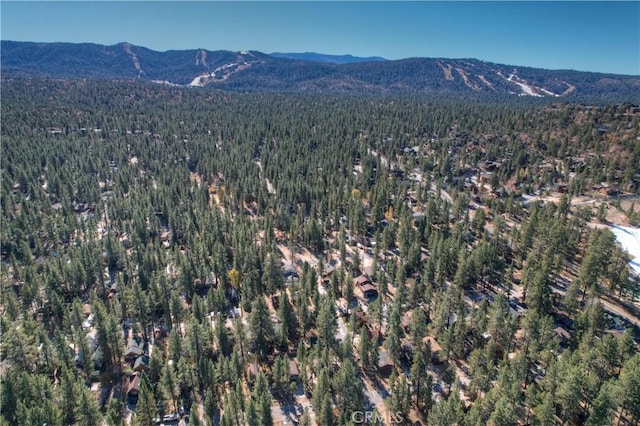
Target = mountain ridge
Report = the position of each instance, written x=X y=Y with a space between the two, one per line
x=326 y=58
x=256 y=71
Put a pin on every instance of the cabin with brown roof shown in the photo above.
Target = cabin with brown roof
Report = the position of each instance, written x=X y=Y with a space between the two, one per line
x=369 y=292
x=562 y=334
x=141 y=364
x=366 y=287
x=134 y=386
x=362 y=280
x=376 y=335
x=385 y=365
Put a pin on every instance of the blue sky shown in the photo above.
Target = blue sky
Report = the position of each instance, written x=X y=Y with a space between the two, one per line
x=587 y=36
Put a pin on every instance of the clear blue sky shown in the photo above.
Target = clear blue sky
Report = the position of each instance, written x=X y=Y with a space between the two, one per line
x=587 y=36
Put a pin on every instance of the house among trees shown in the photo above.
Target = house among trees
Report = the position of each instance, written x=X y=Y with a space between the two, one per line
x=418 y=217
x=517 y=311
x=328 y=270
x=366 y=287
x=376 y=335
x=134 y=350
x=290 y=272
x=385 y=364
x=160 y=332
x=362 y=280
x=369 y=292
x=134 y=387
x=141 y=363
x=563 y=335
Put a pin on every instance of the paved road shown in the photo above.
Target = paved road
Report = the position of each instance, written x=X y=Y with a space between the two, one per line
x=374 y=394
x=620 y=311
x=444 y=195
x=341 y=332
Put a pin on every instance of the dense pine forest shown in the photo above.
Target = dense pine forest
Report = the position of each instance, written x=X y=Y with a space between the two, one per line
x=174 y=255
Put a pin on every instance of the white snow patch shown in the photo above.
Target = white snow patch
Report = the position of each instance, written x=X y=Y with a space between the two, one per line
x=629 y=239
x=198 y=81
x=548 y=92
x=167 y=82
x=526 y=89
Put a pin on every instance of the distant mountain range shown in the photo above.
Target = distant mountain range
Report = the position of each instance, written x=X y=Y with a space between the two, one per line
x=310 y=72
x=328 y=59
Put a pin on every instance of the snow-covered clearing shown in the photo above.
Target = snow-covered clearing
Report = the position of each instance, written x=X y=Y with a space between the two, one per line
x=526 y=89
x=199 y=81
x=629 y=239
x=548 y=92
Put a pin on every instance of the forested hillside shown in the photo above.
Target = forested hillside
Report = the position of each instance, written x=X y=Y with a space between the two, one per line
x=462 y=79
x=242 y=258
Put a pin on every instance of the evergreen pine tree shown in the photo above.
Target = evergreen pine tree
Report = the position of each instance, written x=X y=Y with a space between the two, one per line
x=146 y=408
